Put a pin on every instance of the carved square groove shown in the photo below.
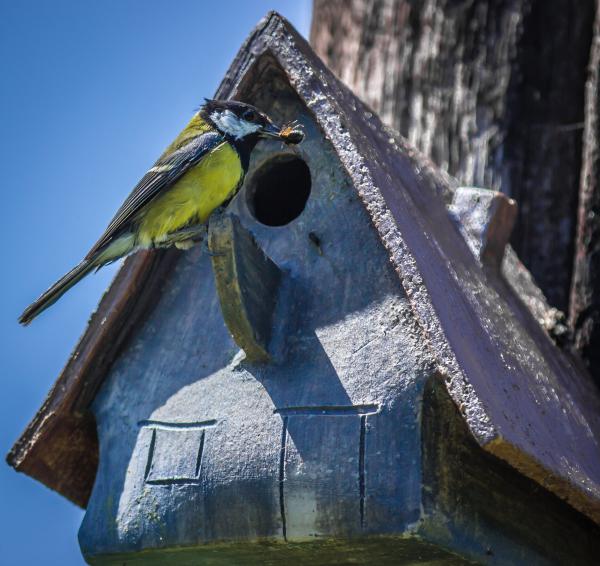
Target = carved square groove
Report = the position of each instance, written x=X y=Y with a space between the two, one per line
x=175 y=452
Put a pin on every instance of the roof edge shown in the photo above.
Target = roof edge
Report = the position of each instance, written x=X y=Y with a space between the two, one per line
x=280 y=46
x=124 y=305
x=585 y=502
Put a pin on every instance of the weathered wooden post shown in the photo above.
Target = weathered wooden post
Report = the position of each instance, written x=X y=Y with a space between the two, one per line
x=356 y=375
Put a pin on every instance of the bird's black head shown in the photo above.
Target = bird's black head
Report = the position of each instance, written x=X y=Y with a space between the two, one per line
x=240 y=121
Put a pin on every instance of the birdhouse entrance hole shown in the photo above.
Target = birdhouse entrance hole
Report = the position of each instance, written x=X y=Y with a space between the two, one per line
x=279 y=190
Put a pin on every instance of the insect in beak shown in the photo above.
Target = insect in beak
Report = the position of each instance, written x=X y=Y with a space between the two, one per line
x=290 y=133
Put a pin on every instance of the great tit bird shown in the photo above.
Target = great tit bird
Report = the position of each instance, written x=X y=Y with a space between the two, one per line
x=200 y=171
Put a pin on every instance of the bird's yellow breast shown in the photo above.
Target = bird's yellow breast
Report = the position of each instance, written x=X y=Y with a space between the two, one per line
x=193 y=197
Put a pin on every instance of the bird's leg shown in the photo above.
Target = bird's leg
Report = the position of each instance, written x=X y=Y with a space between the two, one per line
x=184 y=238
x=187 y=237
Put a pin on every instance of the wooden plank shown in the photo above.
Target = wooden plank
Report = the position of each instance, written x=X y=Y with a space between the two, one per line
x=247 y=283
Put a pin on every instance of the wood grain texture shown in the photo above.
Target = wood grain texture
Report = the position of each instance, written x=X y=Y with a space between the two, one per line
x=491 y=91
x=585 y=293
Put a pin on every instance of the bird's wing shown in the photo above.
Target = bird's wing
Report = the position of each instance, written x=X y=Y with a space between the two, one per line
x=163 y=174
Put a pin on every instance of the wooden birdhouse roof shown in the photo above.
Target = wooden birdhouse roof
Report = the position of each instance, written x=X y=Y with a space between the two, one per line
x=522 y=399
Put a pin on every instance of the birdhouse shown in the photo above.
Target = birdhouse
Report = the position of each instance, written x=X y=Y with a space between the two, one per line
x=360 y=370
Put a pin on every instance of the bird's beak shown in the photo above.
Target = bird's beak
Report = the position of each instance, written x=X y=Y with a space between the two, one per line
x=271 y=131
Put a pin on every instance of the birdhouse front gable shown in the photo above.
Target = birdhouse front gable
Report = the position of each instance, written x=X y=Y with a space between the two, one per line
x=324 y=439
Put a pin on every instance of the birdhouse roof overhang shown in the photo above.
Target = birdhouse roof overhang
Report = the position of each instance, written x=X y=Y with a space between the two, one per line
x=522 y=398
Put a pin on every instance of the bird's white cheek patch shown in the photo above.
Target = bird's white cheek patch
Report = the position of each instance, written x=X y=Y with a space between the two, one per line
x=230 y=124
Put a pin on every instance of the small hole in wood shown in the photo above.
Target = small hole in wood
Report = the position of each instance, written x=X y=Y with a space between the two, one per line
x=279 y=189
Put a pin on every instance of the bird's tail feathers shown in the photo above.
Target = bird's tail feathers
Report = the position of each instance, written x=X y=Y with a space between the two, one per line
x=57 y=291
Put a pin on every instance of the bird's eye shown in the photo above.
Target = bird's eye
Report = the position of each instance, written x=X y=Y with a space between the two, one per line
x=250 y=115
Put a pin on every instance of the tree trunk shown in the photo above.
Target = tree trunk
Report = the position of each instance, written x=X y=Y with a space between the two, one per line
x=585 y=294
x=492 y=90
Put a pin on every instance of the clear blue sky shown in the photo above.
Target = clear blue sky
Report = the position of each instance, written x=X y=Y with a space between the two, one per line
x=91 y=92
